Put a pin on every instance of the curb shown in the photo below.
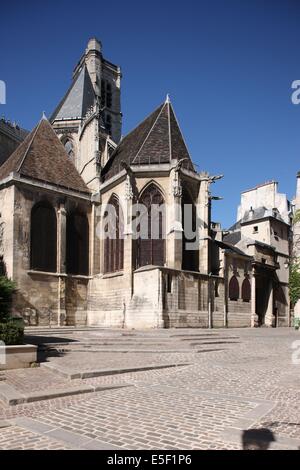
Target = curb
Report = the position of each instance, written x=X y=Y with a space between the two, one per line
x=12 y=397
x=104 y=372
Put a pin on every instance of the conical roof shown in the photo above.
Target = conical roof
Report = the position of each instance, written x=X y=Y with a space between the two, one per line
x=157 y=140
x=78 y=99
x=41 y=156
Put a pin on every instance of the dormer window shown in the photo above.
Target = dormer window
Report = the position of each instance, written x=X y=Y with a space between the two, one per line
x=69 y=148
x=255 y=229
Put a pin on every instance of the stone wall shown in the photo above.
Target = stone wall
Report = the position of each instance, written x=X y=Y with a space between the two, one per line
x=41 y=298
x=186 y=299
x=107 y=300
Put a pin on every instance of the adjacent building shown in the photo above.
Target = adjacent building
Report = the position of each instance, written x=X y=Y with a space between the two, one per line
x=263 y=232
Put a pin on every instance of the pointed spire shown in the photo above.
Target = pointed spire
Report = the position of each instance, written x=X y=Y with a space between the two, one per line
x=44 y=117
x=168 y=98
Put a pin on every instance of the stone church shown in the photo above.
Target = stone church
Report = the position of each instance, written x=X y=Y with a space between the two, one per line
x=73 y=265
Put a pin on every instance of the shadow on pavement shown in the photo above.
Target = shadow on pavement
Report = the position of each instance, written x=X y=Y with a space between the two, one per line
x=257 y=439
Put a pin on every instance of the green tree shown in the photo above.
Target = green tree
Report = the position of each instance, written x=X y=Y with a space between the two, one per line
x=7 y=288
x=294 y=278
x=294 y=282
x=296 y=217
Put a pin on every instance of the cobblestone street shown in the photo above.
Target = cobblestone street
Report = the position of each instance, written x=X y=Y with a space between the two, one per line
x=163 y=389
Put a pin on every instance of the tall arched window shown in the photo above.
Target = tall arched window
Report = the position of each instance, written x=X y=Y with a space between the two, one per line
x=114 y=239
x=77 y=243
x=43 y=238
x=246 y=290
x=151 y=243
x=234 y=289
x=190 y=257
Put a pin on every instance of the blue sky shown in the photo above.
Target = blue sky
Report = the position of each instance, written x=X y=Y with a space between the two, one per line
x=228 y=66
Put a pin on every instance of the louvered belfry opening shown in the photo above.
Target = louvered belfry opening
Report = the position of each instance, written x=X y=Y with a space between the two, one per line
x=43 y=238
x=190 y=257
x=77 y=243
x=151 y=242
x=114 y=238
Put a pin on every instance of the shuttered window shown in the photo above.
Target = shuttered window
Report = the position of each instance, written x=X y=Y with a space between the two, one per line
x=114 y=239
x=234 y=289
x=246 y=290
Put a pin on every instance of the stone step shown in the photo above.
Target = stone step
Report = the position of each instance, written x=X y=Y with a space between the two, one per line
x=12 y=397
x=86 y=374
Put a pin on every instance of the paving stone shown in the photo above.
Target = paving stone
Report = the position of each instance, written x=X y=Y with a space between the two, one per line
x=204 y=405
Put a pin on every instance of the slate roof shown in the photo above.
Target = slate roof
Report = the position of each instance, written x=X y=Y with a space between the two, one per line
x=41 y=156
x=78 y=99
x=231 y=247
x=12 y=136
x=158 y=139
x=233 y=238
x=256 y=214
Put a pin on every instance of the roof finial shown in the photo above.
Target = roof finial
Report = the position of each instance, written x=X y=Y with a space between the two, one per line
x=44 y=116
x=168 y=98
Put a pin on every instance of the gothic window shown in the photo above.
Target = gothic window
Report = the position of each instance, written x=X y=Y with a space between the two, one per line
x=151 y=241
x=190 y=257
x=234 y=289
x=77 y=244
x=43 y=237
x=108 y=95
x=114 y=240
x=246 y=290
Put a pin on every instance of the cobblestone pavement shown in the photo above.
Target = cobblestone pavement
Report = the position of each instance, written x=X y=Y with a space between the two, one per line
x=227 y=381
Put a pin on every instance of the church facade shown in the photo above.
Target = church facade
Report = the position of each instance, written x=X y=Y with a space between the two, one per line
x=107 y=231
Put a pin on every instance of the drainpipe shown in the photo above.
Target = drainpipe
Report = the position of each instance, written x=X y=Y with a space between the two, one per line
x=58 y=308
x=225 y=290
x=209 y=302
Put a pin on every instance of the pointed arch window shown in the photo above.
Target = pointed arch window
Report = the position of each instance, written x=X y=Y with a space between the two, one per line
x=151 y=242
x=246 y=290
x=234 y=289
x=77 y=244
x=43 y=238
x=114 y=238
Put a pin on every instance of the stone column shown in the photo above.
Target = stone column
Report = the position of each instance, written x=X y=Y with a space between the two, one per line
x=203 y=208
x=253 y=300
x=174 y=226
x=61 y=265
x=61 y=253
x=269 y=313
x=96 y=235
x=128 y=235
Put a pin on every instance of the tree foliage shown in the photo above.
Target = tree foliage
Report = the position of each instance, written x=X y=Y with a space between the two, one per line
x=296 y=217
x=294 y=282
x=294 y=275
x=7 y=288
